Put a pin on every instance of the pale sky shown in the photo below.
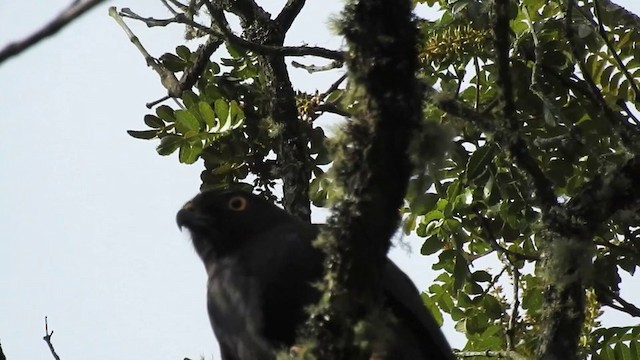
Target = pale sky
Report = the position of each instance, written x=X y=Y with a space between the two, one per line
x=87 y=213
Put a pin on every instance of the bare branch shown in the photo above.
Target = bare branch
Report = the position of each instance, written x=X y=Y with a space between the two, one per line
x=218 y=15
x=496 y=354
x=315 y=68
x=513 y=320
x=74 y=11
x=167 y=78
x=628 y=307
x=289 y=13
x=153 y=103
x=47 y=339
x=333 y=86
x=622 y=305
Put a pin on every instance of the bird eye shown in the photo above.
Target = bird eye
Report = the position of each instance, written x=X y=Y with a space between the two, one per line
x=237 y=203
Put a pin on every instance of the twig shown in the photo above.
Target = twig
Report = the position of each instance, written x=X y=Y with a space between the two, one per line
x=549 y=106
x=179 y=5
x=167 y=78
x=491 y=238
x=493 y=281
x=169 y=7
x=333 y=86
x=151 y=104
x=177 y=19
x=218 y=15
x=625 y=306
x=476 y=66
x=496 y=354
x=513 y=320
x=47 y=339
x=315 y=68
x=74 y=11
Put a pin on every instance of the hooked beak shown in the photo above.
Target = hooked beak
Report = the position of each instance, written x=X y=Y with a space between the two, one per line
x=186 y=215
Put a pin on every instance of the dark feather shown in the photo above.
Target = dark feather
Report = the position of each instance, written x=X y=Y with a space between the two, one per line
x=261 y=266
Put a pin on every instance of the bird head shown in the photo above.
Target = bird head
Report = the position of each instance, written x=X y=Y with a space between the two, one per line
x=221 y=222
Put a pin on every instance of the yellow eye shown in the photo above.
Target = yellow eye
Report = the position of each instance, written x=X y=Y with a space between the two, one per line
x=237 y=203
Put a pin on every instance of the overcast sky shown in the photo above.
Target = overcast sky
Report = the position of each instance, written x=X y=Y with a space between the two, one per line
x=87 y=213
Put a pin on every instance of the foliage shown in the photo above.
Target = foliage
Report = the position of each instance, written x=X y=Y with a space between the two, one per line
x=211 y=122
x=574 y=77
x=483 y=203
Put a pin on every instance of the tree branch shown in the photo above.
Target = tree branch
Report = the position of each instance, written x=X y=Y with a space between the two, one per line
x=74 y=11
x=47 y=339
x=336 y=64
x=289 y=13
x=372 y=170
x=167 y=78
x=221 y=21
x=513 y=319
x=515 y=143
x=600 y=198
x=491 y=238
x=624 y=306
x=496 y=354
x=279 y=103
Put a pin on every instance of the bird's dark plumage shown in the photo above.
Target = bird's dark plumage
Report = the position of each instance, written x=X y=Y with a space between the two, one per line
x=261 y=265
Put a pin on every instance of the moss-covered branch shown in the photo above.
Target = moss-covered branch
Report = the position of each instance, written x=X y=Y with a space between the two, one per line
x=372 y=168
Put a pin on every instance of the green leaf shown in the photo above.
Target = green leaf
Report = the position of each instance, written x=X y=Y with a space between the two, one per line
x=432 y=215
x=532 y=300
x=183 y=52
x=214 y=67
x=408 y=225
x=186 y=122
x=479 y=161
x=189 y=152
x=235 y=112
x=460 y=272
x=423 y=203
x=153 y=122
x=212 y=93
x=431 y=245
x=222 y=112
x=143 y=134
x=169 y=144
x=492 y=307
x=172 y=62
x=207 y=113
x=165 y=113
x=190 y=99
x=481 y=276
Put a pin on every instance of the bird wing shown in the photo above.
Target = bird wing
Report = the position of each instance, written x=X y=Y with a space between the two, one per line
x=234 y=309
x=408 y=307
